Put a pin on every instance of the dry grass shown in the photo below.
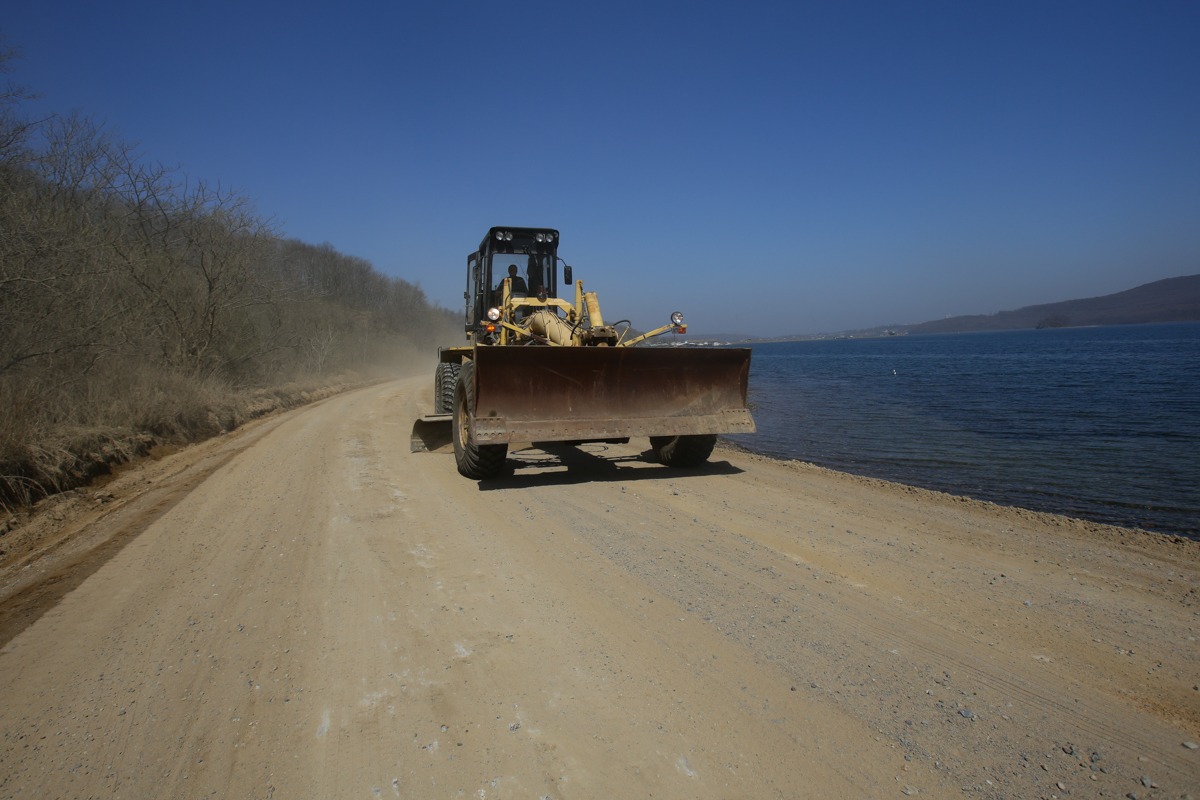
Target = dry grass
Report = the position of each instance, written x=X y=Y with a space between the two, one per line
x=53 y=441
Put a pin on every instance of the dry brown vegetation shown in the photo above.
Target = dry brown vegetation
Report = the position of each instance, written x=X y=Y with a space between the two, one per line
x=139 y=305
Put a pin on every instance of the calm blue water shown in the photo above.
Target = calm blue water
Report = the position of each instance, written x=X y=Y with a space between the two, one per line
x=1097 y=423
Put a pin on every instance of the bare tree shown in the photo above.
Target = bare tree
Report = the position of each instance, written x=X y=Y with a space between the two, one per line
x=133 y=299
x=14 y=129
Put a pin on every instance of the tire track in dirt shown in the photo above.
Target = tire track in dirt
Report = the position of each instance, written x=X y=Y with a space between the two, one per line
x=83 y=547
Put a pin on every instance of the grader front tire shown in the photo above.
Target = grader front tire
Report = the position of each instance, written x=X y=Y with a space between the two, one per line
x=474 y=460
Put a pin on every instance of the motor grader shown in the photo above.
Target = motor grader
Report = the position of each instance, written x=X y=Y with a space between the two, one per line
x=543 y=368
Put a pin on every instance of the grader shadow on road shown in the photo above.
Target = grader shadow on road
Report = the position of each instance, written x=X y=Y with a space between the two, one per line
x=589 y=463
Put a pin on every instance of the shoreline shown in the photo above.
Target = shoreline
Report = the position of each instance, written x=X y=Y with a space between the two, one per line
x=727 y=444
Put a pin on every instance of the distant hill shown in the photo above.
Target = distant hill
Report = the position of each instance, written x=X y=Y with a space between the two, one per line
x=1169 y=300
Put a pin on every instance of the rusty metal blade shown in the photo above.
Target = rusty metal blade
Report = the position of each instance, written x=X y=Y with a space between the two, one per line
x=568 y=393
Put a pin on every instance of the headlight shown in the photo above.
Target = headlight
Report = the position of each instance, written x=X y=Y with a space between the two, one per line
x=676 y=317
x=493 y=314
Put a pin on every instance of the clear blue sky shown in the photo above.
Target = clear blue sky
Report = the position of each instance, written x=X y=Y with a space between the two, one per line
x=767 y=168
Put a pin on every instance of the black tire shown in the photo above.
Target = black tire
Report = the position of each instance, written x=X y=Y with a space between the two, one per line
x=475 y=461
x=684 y=451
x=445 y=383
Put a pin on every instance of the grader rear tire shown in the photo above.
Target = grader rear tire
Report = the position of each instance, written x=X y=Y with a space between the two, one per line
x=445 y=383
x=684 y=451
x=474 y=460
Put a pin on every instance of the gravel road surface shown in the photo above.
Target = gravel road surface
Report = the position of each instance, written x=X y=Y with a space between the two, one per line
x=304 y=609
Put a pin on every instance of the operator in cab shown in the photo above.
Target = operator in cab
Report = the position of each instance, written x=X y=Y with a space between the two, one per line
x=518 y=288
x=518 y=283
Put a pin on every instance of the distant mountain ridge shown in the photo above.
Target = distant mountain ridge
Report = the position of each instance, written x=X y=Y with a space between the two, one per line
x=1168 y=300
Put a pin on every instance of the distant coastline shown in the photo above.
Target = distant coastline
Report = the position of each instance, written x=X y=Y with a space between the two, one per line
x=1167 y=300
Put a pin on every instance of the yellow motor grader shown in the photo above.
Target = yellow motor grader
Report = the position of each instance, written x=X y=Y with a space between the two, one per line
x=541 y=368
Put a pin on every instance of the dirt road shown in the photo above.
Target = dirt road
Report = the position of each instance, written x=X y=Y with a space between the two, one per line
x=304 y=609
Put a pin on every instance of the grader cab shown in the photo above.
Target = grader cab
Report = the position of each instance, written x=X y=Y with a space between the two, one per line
x=540 y=367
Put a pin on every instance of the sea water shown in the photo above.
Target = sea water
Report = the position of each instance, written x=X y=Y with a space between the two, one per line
x=1098 y=423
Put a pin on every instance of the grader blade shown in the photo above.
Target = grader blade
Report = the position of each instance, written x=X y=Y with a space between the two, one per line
x=431 y=433
x=556 y=394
